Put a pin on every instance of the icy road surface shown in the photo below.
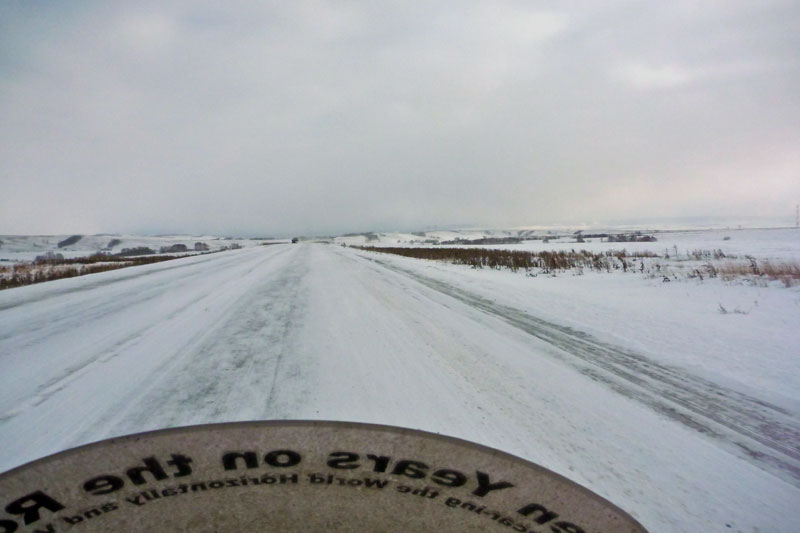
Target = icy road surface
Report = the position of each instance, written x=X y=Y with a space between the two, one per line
x=317 y=331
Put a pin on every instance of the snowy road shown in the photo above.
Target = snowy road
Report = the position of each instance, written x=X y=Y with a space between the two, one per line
x=766 y=434
x=323 y=332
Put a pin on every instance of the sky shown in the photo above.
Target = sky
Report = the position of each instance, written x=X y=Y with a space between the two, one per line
x=314 y=117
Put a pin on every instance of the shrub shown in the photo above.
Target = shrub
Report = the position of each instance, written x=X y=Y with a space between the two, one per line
x=512 y=259
x=174 y=249
x=633 y=237
x=485 y=240
x=139 y=250
x=48 y=257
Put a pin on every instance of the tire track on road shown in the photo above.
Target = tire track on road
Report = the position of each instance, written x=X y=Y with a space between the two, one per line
x=238 y=372
x=763 y=433
x=106 y=375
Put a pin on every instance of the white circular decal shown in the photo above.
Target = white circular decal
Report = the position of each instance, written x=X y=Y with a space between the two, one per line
x=297 y=476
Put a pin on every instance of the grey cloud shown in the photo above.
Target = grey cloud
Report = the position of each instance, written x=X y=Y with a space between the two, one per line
x=328 y=117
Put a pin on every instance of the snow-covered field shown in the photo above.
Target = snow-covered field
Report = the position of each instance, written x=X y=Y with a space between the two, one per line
x=642 y=391
x=771 y=243
x=18 y=248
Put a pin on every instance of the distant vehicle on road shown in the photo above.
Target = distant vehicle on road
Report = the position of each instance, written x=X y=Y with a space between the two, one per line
x=294 y=240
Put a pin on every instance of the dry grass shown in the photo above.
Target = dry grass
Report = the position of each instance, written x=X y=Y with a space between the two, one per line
x=28 y=274
x=673 y=268
x=786 y=272
x=514 y=259
x=700 y=255
x=50 y=270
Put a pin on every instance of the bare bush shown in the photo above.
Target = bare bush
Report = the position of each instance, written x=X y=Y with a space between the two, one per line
x=174 y=249
x=485 y=240
x=700 y=255
x=514 y=260
x=139 y=250
x=632 y=237
x=48 y=257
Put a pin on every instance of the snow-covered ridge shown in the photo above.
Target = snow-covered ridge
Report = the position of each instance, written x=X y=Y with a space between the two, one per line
x=27 y=247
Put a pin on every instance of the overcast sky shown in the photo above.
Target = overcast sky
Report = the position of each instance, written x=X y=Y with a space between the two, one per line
x=325 y=117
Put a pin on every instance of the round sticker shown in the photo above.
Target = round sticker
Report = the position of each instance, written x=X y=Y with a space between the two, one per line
x=297 y=476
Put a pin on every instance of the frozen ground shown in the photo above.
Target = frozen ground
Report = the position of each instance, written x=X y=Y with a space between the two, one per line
x=641 y=391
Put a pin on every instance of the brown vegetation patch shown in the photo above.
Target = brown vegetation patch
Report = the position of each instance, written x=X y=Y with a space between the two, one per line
x=547 y=262
x=785 y=272
x=51 y=269
x=513 y=259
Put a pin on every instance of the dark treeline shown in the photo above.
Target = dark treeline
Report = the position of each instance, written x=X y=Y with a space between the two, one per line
x=485 y=240
x=516 y=259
